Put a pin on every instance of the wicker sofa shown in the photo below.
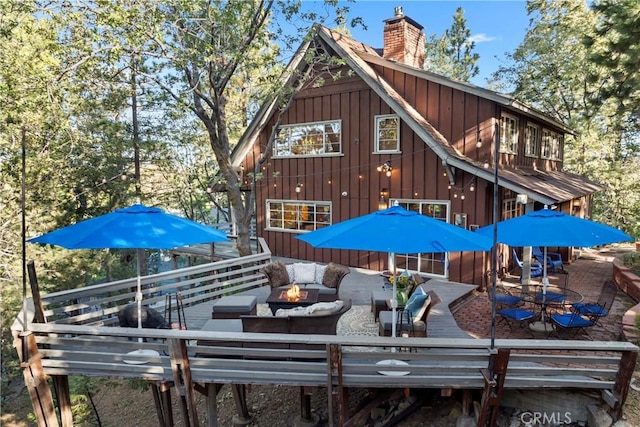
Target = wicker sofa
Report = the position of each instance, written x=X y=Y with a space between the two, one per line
x=320 y=322
x=309 y=275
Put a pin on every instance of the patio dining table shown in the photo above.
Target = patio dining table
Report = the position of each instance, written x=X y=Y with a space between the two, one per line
x=553 y=298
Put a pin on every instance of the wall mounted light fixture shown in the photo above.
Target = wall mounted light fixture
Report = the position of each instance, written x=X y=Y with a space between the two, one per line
x=386 y=168
x=384 y=196
x=298 y=187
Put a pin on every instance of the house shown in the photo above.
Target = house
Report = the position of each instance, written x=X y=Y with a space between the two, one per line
x=381 y=130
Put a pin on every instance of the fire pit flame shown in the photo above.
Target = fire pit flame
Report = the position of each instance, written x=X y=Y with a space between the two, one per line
x=293 y=294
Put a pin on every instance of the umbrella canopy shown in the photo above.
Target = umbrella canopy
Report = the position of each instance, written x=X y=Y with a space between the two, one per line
x=396 y=230
x=548 y=227
x=136 y=227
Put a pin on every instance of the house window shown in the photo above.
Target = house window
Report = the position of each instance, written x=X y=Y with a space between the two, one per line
x=288 y=215
x=387 y=134
x=510 y=209
x=550 y=145
x=508 y=134
x=430 y=264
x=309 y=139
x=532 y=133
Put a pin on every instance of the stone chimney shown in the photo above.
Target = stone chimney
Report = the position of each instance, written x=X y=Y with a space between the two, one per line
x=404 y=40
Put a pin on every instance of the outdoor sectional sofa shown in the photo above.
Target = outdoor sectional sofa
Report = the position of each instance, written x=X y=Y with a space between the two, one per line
x=317 y=319
x=307 y=275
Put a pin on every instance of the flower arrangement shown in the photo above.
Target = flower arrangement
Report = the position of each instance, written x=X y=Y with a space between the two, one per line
x=403 y=280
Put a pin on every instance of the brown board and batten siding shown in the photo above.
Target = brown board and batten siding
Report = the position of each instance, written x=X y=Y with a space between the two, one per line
x=417 y=172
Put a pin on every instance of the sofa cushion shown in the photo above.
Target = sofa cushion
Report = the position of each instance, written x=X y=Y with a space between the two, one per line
x=277 y=274
x=320 y=269
x=324 y=308
x=286 y=312
x=305 y=272
x=418 y=303
x=333 y=274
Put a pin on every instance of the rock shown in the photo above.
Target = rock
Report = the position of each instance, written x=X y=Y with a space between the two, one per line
x=466 y=421
x=598 y=417
x=622 y=423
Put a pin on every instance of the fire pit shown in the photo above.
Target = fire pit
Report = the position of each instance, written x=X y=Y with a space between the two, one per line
x=293 y=297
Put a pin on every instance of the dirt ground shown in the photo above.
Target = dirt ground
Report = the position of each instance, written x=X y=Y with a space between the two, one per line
x=120 y=405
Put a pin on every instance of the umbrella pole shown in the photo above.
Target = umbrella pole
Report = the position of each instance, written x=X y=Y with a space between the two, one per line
x=545 y=281
x=394 y=301
x=139 y=291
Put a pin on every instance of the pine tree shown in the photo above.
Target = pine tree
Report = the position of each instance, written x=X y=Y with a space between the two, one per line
x=452 y=53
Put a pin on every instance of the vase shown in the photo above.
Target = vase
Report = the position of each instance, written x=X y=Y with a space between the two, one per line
x=402 y=295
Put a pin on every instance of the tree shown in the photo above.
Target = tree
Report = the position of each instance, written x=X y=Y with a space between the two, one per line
x=452 y=54
x=551 y=70
x=614 y=45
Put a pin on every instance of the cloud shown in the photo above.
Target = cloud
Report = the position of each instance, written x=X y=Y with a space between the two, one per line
x=482 y=37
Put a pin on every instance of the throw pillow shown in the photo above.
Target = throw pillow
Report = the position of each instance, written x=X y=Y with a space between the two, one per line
x=291 y=273
x=320 y=269
x=276 y=272
x=324 y=308
x=305 y=272
x=333 y=274
x=417 y=304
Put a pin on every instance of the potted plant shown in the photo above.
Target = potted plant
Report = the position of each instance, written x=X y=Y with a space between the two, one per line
x=404 y=281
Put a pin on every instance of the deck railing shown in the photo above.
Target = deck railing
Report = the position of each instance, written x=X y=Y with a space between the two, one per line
x=98 y=305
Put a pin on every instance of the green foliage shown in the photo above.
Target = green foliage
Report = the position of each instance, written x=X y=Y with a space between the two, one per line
x=452 y=54
x=551 y=70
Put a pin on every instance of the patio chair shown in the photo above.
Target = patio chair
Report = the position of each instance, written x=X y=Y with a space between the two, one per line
x=573 y=321
x=505 y=298
x=515 y=314
x=602 y=306
x=536 y=267
x=554 y=259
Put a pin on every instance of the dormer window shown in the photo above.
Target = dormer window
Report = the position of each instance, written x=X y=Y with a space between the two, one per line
x=550 y=145
x=508 y=134
x=387 y=134
x=531 y=138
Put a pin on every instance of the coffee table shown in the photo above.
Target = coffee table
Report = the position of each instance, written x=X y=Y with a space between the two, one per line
x=278 y=299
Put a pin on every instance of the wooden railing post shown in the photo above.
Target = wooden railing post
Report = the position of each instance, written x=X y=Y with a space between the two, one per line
x=337 y=396
x=493 y=387
x=182 y=380
x=623 y=381
x=36 y=380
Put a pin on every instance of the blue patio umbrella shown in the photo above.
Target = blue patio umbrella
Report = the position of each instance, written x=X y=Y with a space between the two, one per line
x=136 y=227
x=547 y=227
x=396 y=230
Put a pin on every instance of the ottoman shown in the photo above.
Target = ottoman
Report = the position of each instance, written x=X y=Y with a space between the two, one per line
x=233 y=306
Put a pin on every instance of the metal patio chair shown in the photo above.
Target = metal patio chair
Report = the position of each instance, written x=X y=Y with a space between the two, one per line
x=574 y=321
x=602 y=306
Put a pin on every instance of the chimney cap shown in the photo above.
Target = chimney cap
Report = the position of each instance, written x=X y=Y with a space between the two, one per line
x=397 y=11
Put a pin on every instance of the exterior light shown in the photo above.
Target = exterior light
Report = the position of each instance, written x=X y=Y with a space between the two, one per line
x=298 y=188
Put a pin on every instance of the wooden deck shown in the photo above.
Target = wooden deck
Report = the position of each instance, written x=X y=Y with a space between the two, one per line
x=79 y=339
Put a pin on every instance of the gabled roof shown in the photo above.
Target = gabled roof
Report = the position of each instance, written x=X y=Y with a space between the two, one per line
x=542 y=186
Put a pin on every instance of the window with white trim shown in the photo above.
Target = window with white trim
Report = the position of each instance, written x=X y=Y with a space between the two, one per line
x=387 y=134
x=550 y=145
x=295 y=216
x=511 y=209
x=508 y=134
x=531 y=137
x=309 y=139
x=429 y=264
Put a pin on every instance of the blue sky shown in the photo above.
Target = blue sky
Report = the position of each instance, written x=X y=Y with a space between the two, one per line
x=496 y=26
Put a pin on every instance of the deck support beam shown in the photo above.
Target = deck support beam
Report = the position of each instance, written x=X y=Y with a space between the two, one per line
x=162 y=399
